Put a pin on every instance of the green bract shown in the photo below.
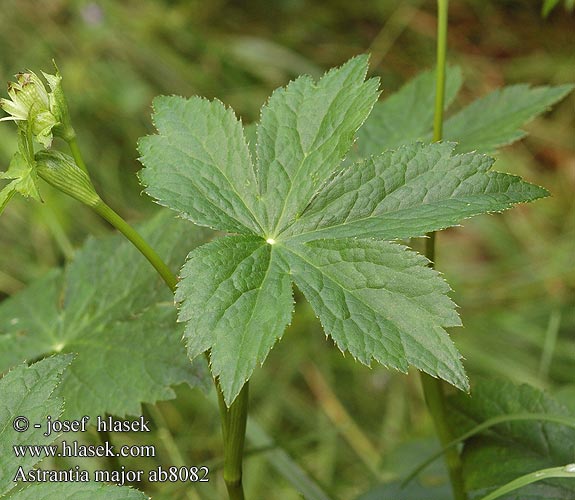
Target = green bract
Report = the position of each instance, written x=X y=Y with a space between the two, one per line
x=60 y=170
x=303 y=215
x=21 y=173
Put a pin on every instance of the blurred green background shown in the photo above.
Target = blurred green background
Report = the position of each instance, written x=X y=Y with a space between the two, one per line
x=513 y=274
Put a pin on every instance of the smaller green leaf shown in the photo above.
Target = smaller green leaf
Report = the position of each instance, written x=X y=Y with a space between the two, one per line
x=407 y=115
x=379 y=301
x=108 y=305
x=6 y=194
x=28 y=392
x=514 y=448
x=236 y=299
x=24 y=176
x=483 y=126
x=496 y=119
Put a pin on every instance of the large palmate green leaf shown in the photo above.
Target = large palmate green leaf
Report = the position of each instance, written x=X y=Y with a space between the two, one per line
x=322 y=224
x=408 y=192
x=512 y=449
x=199 y=164
x=483 y=126
x=237 y=299
x=108 y=306
x=27 y=391
x=379 y=301
x=496 y=119
x=305 y=131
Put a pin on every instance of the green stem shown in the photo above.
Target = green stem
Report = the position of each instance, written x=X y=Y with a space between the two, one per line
x=435 y=400
x=442 y=8
x=77 y=154
x=432 y=387
x=234 y=421
x=233 y=418
x=146 y=250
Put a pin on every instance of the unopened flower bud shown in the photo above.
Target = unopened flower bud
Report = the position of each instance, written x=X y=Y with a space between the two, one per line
x=58 y=107
x=46 y=112
x=60 y=171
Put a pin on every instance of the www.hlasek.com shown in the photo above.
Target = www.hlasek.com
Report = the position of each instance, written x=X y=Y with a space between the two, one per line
x=77 y=450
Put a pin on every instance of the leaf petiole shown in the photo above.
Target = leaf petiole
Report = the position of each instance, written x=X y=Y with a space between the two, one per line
x=75 y=150
x=131 y=234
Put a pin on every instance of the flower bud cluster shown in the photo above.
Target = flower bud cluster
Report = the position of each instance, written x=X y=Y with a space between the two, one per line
x=41 y=114
x=44 y=111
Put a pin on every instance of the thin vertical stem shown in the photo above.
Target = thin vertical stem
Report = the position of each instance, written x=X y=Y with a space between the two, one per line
x=234 y=421
x=442 y=8
x=233 y=418
x=435 y=400
x=73 y=144
x=432 y=387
